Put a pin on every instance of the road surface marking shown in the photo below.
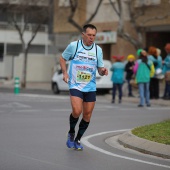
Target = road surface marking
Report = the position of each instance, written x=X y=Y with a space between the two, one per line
x=16 y=105
x=158 y=108
x=33 y=110
x=44 y=96
x=62 y=110
x=85 y=141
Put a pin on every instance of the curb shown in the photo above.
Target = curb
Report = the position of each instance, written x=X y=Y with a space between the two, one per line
x=131 y=141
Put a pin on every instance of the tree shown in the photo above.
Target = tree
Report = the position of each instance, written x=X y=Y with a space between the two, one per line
x=23 y=13
x=118 y=8
x=134 y=15
x=135 y=35
x=73 y=8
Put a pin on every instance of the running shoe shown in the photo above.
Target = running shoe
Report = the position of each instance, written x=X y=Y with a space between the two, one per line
x=70 y=140
x=78 y=146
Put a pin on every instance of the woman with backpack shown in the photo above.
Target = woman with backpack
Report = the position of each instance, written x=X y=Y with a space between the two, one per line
x=143 y=69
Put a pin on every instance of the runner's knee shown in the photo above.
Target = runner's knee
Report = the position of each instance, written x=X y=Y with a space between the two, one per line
x=87 y=116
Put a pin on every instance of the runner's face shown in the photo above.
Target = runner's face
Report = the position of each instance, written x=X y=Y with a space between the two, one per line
x=89 y=36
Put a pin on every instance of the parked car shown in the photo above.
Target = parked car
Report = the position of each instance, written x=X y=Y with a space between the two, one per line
x=103 y=83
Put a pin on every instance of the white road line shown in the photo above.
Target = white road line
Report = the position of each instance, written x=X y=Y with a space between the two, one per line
x=61 y=110
x=33 y=110
x=44 y=96
x=106 y=107
x=39 y=110
x=16 y=105
x=158 y=108
x=88 y=144
x=148 y=108
x=129 y=108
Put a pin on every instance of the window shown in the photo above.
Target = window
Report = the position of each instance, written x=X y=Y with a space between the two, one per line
x=108 y=1
x=15 y=2
x=64 y=3
x=140 y=3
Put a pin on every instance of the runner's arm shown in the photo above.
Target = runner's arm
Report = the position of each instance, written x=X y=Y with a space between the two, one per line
x=64 y=69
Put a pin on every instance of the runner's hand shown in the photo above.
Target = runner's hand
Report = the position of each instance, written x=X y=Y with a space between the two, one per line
x=65 y=78
x=104 y=71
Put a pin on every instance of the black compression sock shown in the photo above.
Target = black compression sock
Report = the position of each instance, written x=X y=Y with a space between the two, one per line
x=73 y=122
x=82 y=128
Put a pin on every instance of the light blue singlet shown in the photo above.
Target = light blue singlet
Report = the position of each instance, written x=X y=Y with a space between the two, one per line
x=82 y=71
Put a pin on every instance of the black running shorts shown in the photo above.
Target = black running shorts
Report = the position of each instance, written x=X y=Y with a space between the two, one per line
x=85 y=96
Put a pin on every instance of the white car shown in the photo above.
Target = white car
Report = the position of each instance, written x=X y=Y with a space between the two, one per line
x=103 y=83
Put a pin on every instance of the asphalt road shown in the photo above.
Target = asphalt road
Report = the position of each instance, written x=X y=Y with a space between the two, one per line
x=33 y=134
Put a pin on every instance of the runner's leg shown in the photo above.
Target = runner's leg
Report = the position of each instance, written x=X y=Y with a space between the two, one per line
x=76 y=103
x=87 y=112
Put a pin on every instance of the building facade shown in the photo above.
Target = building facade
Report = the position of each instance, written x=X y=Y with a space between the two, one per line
x=153 y=21
x=40 y=59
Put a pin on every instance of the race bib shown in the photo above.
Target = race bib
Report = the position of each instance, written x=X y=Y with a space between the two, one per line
x=83 y=77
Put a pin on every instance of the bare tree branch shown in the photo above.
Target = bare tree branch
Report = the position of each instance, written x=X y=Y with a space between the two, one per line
x=130 y=39
x=73 y=4
x=121 y=19
x=18 y=29
x=73 y=7
x=114 y=7
x=34 y=33
x=155 y=18
x=121 y=32
x=133 y=20
x=95 y=12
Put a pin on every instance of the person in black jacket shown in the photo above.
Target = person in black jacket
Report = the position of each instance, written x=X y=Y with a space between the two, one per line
x=129 y=72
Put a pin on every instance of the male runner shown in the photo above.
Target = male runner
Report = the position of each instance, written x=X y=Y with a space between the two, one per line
x=85 y=58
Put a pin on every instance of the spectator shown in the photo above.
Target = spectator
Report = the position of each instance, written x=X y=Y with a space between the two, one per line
x=139 y=52
x=157 y=61
x=166 y=71
x=117 y=78
x=143 y=69
x=129 y=72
